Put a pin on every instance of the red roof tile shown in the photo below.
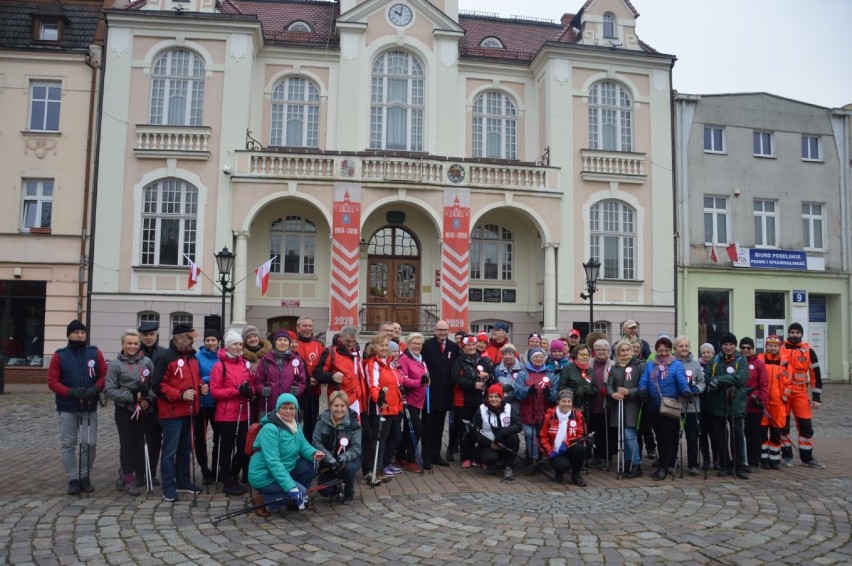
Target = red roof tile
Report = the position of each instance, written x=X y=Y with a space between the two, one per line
x=276 y=16
x=522 y=39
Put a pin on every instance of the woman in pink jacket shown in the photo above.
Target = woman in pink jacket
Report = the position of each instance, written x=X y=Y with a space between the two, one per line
x=415 y=379
x=231 y=385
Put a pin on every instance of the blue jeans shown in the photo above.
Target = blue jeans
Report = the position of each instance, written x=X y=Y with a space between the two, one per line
x=631 y=448
x=174 y=464
x=531 y=438
x=302 y=473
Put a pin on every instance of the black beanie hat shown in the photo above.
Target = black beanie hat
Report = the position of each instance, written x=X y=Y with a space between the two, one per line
x=212 y=332
x=746 y=341
x=728 y=338
x=796 y=326
x=74 y=326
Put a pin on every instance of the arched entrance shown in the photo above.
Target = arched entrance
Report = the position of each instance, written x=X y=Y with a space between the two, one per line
x=393 y=258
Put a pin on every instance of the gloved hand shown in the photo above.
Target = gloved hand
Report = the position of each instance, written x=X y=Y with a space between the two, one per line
x=245 y=390
x=749 y=390
x=689 y=396
x=338 y=466
x=500 y=434
x=553 y=454
x=425 y=379
x=757 y=401
x=297 y=496
x=381 y=400
x=77 y=393
x=91 y=394
x=714 y=384
x=643 y=395
x=265 y=392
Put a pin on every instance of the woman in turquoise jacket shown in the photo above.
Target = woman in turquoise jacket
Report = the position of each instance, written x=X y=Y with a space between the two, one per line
x=282 y=464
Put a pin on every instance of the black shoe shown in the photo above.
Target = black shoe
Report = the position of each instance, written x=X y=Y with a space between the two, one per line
x=427 y=465
x=773 y=465
x=131 y=489
x=73 y=487
x=660 y=474
x=155 y=482
x=559 y=477
x=440 y=462
x=119 y=484
x=577 y=479
x=86 y=485
x=450 y=457
x=139 y=481
x=765 y=465
x=634 y=473
x=651 y=454
x=170 y=497
x=751 y=469
x=190 y=489
x=742 y=474
x=347 y=500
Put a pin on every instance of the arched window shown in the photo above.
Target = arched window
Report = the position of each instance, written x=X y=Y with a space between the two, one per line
x=169 y=222
x=295 y=113
x=495 y=132
x=177 y=89
x=613 y=239
x=299 y=26
x=396 y=102
x=181 y=318
x=293 y=240
x=609 y=25
x=491 y=43
x=610 y=117
x=491 y=252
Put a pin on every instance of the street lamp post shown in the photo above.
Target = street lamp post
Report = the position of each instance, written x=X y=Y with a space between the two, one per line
x=224 y=263
x=592 y=268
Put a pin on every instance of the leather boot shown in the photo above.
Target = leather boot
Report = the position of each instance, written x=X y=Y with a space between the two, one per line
x=259 y=503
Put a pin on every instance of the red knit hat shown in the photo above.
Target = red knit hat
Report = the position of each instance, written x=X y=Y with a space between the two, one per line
x=482 y=337
x=497 y=389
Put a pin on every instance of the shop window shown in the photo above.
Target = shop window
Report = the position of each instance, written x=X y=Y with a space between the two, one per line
x=714 y=315
x=22 y=306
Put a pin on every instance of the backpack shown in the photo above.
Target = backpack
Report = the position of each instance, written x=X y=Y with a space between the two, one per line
x=251 y=436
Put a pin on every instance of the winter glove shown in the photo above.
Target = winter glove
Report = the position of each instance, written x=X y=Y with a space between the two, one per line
x=643 y=395
x=338 y=466
x=245 y=390
x=749 y=390
x=757 y=401
x=78 y=393
x=425 y=379
x=297 y=496
x=381 y=400
x=91 y=394
x=553 y=454
x=714 y=384
x=265 y=392
x=689 y=396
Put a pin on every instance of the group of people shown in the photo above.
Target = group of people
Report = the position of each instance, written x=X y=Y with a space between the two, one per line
x=576 y=403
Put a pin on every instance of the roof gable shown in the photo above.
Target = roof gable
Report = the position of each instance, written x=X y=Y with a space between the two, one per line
x=438 y=19
x=80 y=19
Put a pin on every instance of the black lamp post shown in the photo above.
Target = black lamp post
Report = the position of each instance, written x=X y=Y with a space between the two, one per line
x=592 y=268
x=224 y=263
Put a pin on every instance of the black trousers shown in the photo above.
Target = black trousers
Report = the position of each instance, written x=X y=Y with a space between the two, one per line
x=204 y=417
x=754 y=438
x=692 y=437
x=153 y=437
x=407 y=448
x=600 y=426
x=309 y=407
x=390 y=432
x=667 y=431
x=489 y=457
x=467 y=441
x=571 y=460
x=726 y=437
x=369 y=435
x=234 y=458
x=131 y=441
x=433 y=435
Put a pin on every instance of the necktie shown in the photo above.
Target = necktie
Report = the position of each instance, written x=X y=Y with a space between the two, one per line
x=442 y=346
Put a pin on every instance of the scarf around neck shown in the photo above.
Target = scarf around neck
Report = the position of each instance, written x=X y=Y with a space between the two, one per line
x=562 y=432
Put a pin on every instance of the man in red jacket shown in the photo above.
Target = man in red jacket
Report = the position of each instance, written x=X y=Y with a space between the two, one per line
x=310 y=350
x=499 y=338
x=177 y=382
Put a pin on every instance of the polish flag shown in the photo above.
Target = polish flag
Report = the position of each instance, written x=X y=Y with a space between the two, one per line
x=262 y=278
x=194 y=272
x=733 y=252
x=713 y=255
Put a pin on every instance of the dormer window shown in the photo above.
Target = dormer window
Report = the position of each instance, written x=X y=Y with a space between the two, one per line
x=48 y=30
x=609 y=25
x=491 y=43
x=300 y=27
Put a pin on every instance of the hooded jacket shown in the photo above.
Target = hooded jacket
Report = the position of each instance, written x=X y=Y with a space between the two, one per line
x=732 y=375
x=534 y=395
x=412 y=374
x=206 y=361
x=669 y=383
x=383 y=375
x=628 y=377
x=758 y=382
x=465 y=374
x=695 y=377
x=225 y=381
x=174 y=373
x=340 y=359
x=280 y=372
x=327 y=437
x=277 y=450
x=127 y=376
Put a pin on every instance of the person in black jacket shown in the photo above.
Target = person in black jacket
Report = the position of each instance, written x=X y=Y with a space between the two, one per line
x=439 y=353
x=496 y=427
x=472 y=373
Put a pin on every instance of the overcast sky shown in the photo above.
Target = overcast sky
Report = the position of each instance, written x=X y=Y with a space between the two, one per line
x=800 y=49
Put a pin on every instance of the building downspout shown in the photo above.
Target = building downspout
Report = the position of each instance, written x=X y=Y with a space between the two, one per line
x=677 y=235
x=100 y=40
x=82 y=277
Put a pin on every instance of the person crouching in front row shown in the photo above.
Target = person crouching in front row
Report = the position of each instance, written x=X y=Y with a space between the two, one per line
x=496 y=427
x=561 y=438
x=338 y=435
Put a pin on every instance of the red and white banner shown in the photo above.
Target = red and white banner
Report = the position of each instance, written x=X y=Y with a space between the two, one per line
x=194 y=272
x=345 y=256
x=733 y=252
x=262 y=277
x=455 y=258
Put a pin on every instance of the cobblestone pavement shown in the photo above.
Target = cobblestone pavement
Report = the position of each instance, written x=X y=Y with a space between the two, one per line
x=455 y=516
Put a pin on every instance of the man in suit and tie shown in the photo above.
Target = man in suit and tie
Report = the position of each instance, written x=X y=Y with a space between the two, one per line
x=439 y=353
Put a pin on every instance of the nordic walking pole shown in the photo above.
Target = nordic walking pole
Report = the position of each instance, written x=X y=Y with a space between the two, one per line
x=680 y=443
x=192 y=449
x=88 y=448
x=149 y=481
x=232 y=456
x=619 y=465
x=373 y=483
x=80 y=453
x=284 y=499
x=606 y=437
x=417 y=456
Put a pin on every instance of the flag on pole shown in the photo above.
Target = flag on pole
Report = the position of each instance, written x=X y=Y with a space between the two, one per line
x=262 y=278
x=713 y=255
x=194 y=272
x=733 y=252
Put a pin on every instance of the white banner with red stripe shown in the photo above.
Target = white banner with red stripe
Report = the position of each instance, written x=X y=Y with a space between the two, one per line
x=345 y=255
x=455 y=258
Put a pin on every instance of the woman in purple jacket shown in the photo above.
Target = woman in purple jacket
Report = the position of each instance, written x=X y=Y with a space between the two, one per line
x=415 y=379
x=277 y=372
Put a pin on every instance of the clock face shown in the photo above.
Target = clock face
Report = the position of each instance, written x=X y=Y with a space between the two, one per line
x=400 y=14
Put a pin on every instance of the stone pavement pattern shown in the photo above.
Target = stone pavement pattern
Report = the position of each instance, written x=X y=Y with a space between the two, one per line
x=455 y=516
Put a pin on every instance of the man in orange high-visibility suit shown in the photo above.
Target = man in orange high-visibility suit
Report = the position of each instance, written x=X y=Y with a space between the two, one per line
x=803 y=367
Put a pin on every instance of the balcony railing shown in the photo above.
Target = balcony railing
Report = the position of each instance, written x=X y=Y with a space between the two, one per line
x=620 y=166
x=414 y=317
x=185 y=142
x=394 y=169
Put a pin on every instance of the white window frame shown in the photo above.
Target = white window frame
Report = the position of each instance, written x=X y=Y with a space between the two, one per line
x=408 y=107
x=495 y=118
x=760 y=140
x=609 y=21
x=283 y=233
x=39 y=108
x=610 y=117
x=491 y=43
x=712 y=139
x=488 y=235
x=811 y=148
x=295 y=113
x=601 y=326
x=813 y=225
x=148 y=316
x=181 y=318
x=299 y=27
x=715 y=213
x=46 y=28
x=182 y=207
x=39 y=202
x=765 y=223
x=177 y=89
x=612 y=232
